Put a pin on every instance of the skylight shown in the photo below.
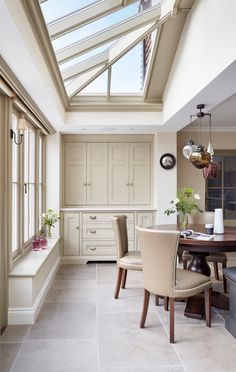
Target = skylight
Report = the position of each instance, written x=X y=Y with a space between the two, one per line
x=99 y=45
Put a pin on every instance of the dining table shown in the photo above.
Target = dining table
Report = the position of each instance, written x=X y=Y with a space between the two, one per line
x=199 y=249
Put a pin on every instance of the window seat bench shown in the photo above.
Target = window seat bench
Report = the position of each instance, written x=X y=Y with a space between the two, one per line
x=29 y=282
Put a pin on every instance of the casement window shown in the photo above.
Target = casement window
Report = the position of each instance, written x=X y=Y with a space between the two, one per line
x=27 y=187
x=221 y=191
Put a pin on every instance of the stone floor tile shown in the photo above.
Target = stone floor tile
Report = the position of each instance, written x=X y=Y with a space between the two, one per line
x=8 y=352
x=15 y=333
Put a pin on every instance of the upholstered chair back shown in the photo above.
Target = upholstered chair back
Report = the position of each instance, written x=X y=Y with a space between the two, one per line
x=120 y=228
x=159 y=251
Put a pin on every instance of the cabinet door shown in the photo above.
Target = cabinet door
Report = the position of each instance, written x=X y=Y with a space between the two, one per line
x=140 y=173
x=118 y=183
x=71 y=234
x=75 y=174
x=96 y=173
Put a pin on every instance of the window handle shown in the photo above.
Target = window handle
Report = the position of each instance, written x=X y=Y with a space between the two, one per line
x=25 y=188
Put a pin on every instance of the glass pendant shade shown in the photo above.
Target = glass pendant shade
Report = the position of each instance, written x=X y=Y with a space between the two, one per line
x=210 y=149
x=200 y=158
x=189 y=148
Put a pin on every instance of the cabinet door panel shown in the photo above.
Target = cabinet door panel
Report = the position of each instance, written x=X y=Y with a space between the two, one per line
x=140 y=173
x=75 y=175
x=71 y=234
x=118 y=183
x=96 y=173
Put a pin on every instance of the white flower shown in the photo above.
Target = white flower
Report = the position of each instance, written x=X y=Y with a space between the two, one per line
x=176 y=201
x=196 y=196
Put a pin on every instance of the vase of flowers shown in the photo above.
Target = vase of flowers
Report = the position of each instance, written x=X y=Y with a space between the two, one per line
x=184 y=204
x=48 y=220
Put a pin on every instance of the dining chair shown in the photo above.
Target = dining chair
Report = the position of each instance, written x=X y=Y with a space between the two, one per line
x=126 y=260
x=161 y=277
x=215 y=258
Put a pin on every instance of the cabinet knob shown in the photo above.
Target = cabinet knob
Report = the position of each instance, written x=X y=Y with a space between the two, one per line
x=85 y=184
x=131 y=184
x=92 y=231
x=92 y=217
x=92 y=248
x=88 y=184
x=77 y=227
x=127 y=184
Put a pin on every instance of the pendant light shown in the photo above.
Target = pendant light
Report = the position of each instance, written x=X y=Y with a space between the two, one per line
x=190 y=146
x=200 y=158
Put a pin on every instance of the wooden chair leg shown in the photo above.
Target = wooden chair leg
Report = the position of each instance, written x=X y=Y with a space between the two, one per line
x=216 y=271
x=224 y=278
x=172 y=320
x=124 y=277
x=207 y=295
x=166 y=303
x=145 y=307
x=118 y=282
x=157 y=300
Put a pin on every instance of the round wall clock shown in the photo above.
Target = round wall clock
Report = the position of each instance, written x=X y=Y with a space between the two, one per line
x=167 y=161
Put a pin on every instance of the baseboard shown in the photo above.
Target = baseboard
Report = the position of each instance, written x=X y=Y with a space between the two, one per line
x=29 y=315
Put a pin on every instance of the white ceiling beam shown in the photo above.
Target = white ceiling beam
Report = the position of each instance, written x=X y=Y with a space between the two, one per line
x=84 y=66
x=82 y=81
x=84 y=16
x=109 y=34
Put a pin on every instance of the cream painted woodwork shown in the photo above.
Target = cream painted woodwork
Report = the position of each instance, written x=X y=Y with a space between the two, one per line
x=129 y=176
x=71 y=234
x=94 y=240
x=85 y=173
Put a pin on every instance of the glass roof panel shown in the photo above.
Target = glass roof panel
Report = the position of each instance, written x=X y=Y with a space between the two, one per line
x=85 y=56
x=54 y=9
x=97 y=87
x=126 y=74
x=95 y=27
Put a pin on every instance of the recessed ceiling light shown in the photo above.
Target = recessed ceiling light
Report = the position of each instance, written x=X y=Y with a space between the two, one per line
x=83 y=128
x=131 y=128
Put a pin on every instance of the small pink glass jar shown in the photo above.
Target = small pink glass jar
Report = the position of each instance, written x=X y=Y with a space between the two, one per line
x=36 y=244
x=43 y=242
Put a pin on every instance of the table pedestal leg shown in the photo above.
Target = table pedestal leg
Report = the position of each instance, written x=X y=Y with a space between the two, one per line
x=195 y=307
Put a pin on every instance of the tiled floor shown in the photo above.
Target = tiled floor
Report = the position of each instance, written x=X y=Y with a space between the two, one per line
x=82 y=328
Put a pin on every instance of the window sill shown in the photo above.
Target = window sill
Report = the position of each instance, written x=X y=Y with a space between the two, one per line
x=31 y=263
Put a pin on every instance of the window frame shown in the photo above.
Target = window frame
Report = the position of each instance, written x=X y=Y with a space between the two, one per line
x=25 y=245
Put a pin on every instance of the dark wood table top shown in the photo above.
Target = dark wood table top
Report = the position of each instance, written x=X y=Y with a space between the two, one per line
x=219 y=243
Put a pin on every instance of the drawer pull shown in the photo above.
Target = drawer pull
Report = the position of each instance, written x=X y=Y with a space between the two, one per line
x=92 y=248
x=131 y=184
x=92 y=217
x=92 y=231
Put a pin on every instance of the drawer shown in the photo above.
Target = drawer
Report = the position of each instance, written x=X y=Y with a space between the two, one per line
x=106 y=217
x=101 y=248
x=103 y=231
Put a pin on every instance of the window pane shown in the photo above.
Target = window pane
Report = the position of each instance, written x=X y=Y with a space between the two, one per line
x=15 y=152
x=15 y=222
x=230 y=204
x=26 y=216
x=40 y=206
x=98 y=86
x=214 y=199
x=230 y=171
x=31 y=210
x=54 y=9
x=40 y=145
x=31 y=156
x=26 y=155
x=128 y=80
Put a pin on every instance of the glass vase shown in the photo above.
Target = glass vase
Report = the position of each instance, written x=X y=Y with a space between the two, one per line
x=183 y=220
x=48 y=231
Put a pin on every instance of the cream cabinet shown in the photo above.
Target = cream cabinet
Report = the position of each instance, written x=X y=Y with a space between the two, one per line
x=89 y=236
x=85 y=174
x=129 y=175
x=71 y=234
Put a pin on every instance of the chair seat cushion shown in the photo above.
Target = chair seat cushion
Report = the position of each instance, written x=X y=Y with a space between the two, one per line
x=189 y=283
x=131 y=260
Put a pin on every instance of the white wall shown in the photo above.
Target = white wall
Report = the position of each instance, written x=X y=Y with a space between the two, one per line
x=206 y=51
x=53 y=176
x=166 y=184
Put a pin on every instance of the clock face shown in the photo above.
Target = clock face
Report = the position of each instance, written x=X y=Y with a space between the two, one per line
x=167 y=161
